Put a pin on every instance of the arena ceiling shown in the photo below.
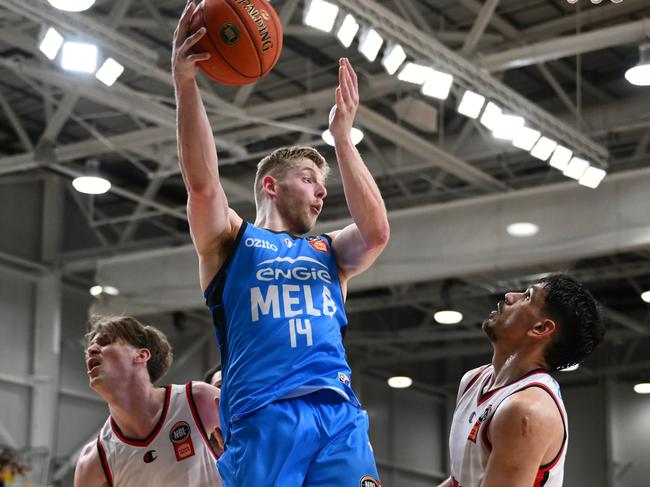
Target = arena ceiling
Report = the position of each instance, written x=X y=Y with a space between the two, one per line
x=567 y=60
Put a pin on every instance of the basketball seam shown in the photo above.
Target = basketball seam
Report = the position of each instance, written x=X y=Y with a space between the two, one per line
x=205 y=23
x=245 y=25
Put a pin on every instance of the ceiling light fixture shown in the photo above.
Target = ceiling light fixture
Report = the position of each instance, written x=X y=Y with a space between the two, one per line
x=370 y=43
x=640 y=74
x=448 y=317
x=543 y=148
x=109 y=72
x=320 y=15
x=348 y=30
x=592 y=177
x=576 y=168
x=400 y=382
x=642 y=388
x=525 y=138
x=98 y=290
x=471 y=104
x=507 y=126
x=522 y=229
x=393 y=58
x=646 y=296
x=79 y=56
x=72 y=5
x=355 y=134
x=438 y=85
x=491 y=116
x=560 y=158
x=51 y=43
x=415 y=73
x=91 y=185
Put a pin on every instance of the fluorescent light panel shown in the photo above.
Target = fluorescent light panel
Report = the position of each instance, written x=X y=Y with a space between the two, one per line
x=80 y=57
x=576 y=168
x=522 y=229
x=471 y=104
x=72 y=5
x=51 y=43
x=415 y=73
x=592 y=177
x=321 y=15
x=560 y=158
x=438 y=85
x=393 y=58
x=525 y=138
x=506 y=126
x=370 y=44
x=348 y=30
x=109 y=72
x=491 y=116
x=543 y=148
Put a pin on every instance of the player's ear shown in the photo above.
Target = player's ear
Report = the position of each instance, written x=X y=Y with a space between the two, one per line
x=543 y=329
x=270 y=186
x=142 y=356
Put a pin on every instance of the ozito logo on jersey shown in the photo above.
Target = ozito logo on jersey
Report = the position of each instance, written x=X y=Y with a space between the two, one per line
x=319 y=244
x=260 y=244
x=181 y=437
x=150 y=456
x=368 y=481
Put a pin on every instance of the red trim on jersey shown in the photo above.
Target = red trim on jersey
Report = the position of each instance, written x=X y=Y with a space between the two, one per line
x=473 y=380
x=151 y=436
x=104 y=462
x=484 y=396
x=542 y=474
x=197 y=418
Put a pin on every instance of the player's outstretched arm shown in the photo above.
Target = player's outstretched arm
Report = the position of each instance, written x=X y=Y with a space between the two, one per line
x=212 y=224
x=358 y=245
x=526 y=432
x=88 y=472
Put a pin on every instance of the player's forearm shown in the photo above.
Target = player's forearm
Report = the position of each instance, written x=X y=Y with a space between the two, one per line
x=197 y=153
x=362 y=195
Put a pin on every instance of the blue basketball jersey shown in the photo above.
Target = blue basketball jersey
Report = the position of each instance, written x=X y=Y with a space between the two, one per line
x=278 y=310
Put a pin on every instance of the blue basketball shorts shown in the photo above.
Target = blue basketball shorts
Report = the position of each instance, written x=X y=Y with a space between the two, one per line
x=317 y=440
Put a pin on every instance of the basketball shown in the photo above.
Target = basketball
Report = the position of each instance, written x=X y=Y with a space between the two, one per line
x=244 y=38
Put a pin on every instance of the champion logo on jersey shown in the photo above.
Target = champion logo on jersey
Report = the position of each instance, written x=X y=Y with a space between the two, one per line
x=319 y=244
x=368 y=481
x=150 y=456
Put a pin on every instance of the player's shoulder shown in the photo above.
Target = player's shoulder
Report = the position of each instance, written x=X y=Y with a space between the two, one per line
x=204 y=391
x=89 y=472
x=532 y=406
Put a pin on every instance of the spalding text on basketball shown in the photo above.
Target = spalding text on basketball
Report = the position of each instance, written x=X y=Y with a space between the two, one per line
x=258 y=20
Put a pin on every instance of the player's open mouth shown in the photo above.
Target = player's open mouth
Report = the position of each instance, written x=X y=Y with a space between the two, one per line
x=92 y=364
x=316 y=209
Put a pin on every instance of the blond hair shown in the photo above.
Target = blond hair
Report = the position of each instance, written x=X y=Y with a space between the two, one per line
x=129 y=330
x=278 y=163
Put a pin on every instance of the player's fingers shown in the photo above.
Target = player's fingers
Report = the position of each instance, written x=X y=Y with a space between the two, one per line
x=182 y=24
x=347 y=85
x=202 y=56
x=193 y=39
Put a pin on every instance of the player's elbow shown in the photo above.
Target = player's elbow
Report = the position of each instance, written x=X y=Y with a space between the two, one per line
x=380 y=236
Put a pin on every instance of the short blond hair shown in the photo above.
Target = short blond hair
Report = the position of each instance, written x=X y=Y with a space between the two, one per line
x=129 y=330
x=278 y=163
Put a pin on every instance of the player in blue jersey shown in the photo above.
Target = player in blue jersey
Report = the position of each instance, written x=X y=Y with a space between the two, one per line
x=289 y=415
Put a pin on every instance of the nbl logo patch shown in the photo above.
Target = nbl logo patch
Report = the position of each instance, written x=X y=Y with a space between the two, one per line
x=181 y=437
x=473 y=434
x=369 y=481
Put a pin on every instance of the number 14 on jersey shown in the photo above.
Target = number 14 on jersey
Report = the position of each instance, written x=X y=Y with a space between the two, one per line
x=299 y=326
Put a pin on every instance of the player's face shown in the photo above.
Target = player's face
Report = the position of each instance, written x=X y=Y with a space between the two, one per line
x=106 y=362
x=516 y=314
x=300 y=196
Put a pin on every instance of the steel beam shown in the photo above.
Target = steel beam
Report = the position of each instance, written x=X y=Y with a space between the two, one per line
x=479 y=26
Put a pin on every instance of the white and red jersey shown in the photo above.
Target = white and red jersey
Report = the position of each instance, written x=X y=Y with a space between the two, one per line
x=468 y=441
x=176 y=452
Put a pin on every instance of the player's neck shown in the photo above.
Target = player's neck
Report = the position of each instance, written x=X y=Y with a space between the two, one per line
x=512 y=365
x=136 y=408
x=267 y=217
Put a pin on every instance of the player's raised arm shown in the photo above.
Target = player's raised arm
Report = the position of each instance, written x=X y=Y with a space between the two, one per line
x=211 y=222
x=358 y=245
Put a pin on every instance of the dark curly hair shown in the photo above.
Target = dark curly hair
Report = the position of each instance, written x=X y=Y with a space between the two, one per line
x=579 y=320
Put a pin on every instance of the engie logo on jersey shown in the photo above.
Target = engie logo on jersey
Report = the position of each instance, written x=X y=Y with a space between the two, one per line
x=319 y=244
x=181 y=437
x=369 y=481
x=260 y=244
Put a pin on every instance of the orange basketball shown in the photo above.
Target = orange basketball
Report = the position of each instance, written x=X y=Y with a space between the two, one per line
x=244 y=38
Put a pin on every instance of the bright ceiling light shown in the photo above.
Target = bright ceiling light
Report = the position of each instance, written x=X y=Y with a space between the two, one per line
x=471 y=104
x=507 y=126
x=491 y=116
x=570 y=368
x=109 y=72
x=369 y=44
x=96 y=290
x=576 y=168
x=91 y=185
x=438 y=85
x=320 y=15
x=525 y=138
x=543 y=148
x=448 y=317
x=522 y=229
x=393 y=58
x=355 y=134
x=78 y=56
x=640 y=74
x=72 y=5
x=400 y=382
x=646 y=296
x=415 y=73
x=592 y=177
x=642 y=388
x=560 y=158
x=348 y=30
x=51 y=43
x=111 y=290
